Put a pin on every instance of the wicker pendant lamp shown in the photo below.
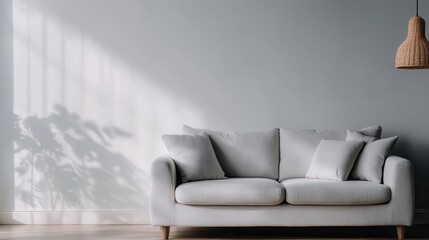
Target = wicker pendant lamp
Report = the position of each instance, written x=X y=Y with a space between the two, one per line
x=413 y=53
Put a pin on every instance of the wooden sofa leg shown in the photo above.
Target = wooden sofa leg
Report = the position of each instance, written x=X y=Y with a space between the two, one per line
x=165 y=230
x=400 y=230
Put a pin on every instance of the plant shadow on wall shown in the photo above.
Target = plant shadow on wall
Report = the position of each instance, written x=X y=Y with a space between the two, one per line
x=64 y=162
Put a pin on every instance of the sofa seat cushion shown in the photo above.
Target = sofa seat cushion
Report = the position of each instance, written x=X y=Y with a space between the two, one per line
x=304 y=191
x=231 y=191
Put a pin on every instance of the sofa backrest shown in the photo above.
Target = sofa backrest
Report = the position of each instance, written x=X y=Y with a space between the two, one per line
x=297 y=147
x=250 y=154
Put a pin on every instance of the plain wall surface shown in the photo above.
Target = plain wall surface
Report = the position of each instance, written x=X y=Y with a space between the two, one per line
x=97 y=82
x=6 y=107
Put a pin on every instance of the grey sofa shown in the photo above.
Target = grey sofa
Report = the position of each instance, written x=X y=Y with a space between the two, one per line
x=286 y=198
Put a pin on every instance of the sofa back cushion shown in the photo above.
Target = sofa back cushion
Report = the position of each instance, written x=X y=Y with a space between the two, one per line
x=250 y=154
x=297 y=147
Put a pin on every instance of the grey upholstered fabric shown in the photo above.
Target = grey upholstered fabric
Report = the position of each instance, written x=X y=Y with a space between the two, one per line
x=304 y=191
x=333 y=160
x=369 y=164
x=251 y=154
x=286 y=215
x=194 y=156
x=232 y=191
x=398 y=176
x=191 y=130
x=297 y=147
x=162 y=186
x=356 y=136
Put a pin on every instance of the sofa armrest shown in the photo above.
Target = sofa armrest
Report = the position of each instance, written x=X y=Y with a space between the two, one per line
x=163 y=184
x=398 y=174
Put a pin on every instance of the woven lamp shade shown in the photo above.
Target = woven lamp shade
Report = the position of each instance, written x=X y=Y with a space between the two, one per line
x=413 y=53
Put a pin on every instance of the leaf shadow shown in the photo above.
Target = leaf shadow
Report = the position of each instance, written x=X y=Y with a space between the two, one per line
x=65 y=162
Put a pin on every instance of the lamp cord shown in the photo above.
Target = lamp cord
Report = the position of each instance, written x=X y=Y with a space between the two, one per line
x=417 y=7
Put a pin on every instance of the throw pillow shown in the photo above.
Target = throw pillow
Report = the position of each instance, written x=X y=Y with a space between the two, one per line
x=194 y=157
x=369 y=164
x=333 y=160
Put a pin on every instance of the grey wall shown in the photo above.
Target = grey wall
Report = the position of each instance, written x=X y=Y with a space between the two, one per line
x=6 y=107
x=146 y=67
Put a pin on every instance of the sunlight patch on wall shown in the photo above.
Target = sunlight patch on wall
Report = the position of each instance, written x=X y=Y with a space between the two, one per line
x=87 y=125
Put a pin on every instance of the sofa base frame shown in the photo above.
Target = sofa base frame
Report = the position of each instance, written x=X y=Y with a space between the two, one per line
x=400 y=231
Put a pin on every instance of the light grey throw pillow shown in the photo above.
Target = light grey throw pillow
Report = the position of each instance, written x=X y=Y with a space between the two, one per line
x=194 y=157
x=333 y=160
x=246 y=154
x=369 y=164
